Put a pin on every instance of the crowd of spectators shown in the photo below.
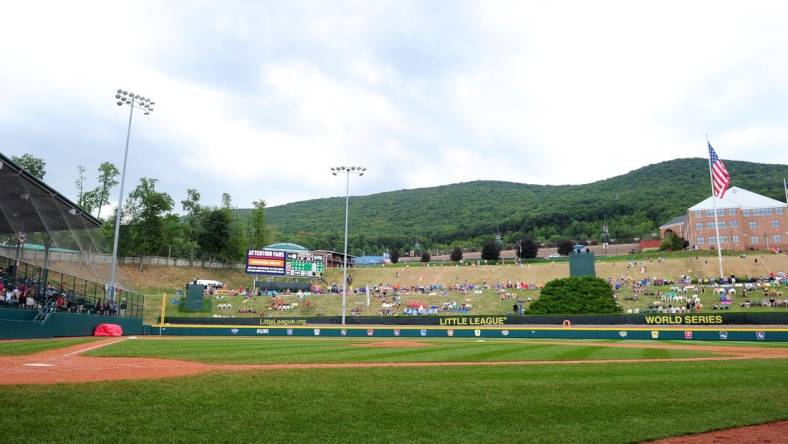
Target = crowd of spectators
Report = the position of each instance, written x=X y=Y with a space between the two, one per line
x=22 y=292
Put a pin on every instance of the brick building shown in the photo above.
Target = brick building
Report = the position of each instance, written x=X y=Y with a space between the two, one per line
x=747 y=221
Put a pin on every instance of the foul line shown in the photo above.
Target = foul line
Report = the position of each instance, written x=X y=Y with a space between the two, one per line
x=93 y=348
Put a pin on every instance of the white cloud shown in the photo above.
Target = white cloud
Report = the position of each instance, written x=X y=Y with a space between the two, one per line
x=259 y=100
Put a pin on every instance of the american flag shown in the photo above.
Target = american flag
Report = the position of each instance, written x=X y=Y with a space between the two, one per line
x=720 y=179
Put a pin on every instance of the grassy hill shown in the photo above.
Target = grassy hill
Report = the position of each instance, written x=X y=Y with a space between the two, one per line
x=634 y=204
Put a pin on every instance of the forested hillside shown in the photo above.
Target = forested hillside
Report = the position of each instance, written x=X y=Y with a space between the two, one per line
x=634 y=205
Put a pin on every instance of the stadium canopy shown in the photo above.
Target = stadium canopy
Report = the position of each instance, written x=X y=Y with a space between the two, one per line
x=28 y=205
x=285 y=246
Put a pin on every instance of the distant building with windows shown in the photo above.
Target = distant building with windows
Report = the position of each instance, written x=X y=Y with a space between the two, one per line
x=747 y=221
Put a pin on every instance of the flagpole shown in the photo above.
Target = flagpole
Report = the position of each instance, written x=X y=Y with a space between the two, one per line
x=714 y=206
x=785 y=187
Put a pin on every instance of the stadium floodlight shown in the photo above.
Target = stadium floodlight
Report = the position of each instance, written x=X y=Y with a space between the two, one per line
x=134 y=101
x=348 y=171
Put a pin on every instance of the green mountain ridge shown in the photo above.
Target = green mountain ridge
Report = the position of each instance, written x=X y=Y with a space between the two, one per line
x=633 y=204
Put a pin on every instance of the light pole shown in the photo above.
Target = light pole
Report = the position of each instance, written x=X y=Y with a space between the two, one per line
x=134 y=101
x=347 y=171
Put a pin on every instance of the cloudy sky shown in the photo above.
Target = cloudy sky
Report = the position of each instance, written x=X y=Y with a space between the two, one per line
x=260 y=98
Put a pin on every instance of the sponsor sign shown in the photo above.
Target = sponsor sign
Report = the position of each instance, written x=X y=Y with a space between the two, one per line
x=289 y=332
x=723 y=335
x=687 y=335
x=655 y=334
x=370 y=332
x=477 y=332
x=760 y=335
x=622 y=333
x=269 y=262
x=505 y=332
x=396 y=332
x=343 y=332
x=317 y=332
x=450 y=332
x=234 y=331
x=262 y=331
x=423 y=332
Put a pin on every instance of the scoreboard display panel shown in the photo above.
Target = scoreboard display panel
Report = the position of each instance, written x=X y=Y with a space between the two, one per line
x=282 y=263
x=304 y=264
x=266 y=262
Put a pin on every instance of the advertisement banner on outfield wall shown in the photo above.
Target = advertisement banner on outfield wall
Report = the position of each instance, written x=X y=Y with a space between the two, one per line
x=657 y=320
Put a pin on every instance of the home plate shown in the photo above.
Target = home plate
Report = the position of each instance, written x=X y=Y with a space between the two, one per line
x=35 y=364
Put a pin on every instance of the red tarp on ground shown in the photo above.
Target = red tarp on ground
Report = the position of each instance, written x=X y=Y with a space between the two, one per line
x=108 y=330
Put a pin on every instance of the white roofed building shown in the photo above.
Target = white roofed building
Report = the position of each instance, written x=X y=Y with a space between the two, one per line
x=747 y=221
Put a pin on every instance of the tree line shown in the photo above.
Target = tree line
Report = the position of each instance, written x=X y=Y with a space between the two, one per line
x=150 y=225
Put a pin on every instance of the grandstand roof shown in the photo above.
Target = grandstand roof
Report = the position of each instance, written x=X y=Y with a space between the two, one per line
x=285 y=246
x=29 y=205
x=737 y=197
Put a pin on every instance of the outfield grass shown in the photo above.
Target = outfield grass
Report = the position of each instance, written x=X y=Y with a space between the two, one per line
x=38 y=345
x=576 y=403
x=287 y=351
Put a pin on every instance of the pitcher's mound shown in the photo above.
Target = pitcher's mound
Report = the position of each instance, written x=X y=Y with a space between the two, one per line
x=393 y=344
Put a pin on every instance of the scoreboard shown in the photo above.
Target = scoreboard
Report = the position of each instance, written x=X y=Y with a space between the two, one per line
x=304 y=264
x=282 y=263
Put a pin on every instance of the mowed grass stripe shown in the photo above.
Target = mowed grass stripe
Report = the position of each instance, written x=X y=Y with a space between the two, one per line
x=275 y=351
x=39 y=345
x=575 y=403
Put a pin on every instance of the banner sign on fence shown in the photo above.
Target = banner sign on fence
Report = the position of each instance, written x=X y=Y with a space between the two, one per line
x=780 y=318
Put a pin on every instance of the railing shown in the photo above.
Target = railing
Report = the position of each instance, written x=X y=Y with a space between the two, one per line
x=55 y=291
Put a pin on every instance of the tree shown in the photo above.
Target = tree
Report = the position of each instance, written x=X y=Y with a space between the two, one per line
x=107 y=179
x=394 y=255
x=32 y=164
x=80 y=182
x=227 y=201
x=191 y=205
x=425 y=257
x=194 y=212
x=456 y=254
x=257 y=232
x=146 y=208
x=527 y=248
x=565 y=247
x=214 y=234
x=671 y=242
x=576 y=295
x=491 y=251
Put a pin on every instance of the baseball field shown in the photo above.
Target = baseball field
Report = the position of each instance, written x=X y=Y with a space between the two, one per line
x=387 y=390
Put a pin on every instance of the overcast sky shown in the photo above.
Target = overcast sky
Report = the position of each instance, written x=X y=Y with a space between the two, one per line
x=259 y=99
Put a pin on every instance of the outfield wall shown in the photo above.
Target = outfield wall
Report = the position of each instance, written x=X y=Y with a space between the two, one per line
x=637 y=333
x=713 y=318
